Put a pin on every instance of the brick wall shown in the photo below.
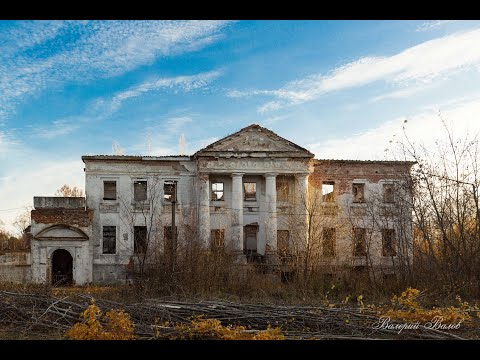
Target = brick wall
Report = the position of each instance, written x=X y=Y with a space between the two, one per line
x=75 y=217
x=344 y=172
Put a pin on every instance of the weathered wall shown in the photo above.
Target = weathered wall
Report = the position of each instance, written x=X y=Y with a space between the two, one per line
x=373 y=214
x=49 y=235
x=15 y=267
x=58 y=202
x=121 y=212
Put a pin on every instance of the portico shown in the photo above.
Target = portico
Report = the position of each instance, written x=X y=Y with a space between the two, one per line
x=249 y=163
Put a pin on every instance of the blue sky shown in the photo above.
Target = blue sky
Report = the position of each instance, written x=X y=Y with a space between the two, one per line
x=340 y=88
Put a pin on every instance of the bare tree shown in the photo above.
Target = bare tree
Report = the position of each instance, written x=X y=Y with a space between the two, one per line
x=69 y=191
x=445 y=185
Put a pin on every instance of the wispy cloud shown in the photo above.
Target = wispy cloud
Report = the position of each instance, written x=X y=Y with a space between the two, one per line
x=84 y=51
x=56 y=128
x=420 y=64
x=172 y=84
x=433 y=25
x=7 y=144
x=424 y=127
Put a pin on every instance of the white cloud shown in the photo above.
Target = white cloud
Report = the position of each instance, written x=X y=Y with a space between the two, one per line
x=84 y=51
x=56 y=128
x=417 y=65
x=433 y=25
x=175 y=84
x=424 y=127
x=404 y=93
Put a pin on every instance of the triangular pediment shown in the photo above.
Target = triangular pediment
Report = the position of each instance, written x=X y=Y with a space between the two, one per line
x=61 y=232
x=254 y=138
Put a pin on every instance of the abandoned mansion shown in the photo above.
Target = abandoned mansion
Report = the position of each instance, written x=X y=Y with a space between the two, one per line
x=252 y=194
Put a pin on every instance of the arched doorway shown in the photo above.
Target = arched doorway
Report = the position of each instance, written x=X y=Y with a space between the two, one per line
x=62 y=268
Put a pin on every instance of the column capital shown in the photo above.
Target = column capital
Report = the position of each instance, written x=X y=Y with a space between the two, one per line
x=270 y=175
x=302 y=175
x=237 y=174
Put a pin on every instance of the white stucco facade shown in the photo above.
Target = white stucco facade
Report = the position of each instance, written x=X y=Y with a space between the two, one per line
x=249 y=223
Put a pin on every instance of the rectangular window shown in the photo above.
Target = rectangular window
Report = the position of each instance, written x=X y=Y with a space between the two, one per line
x=109 y=239
x=388 y=193
x=250 y=234
x=388 y=242
x=139 y=239
x=282 y=189
x=109 y=190
x=358 y=193
x=217 y=239
x=140 y=190
x=169 y=191
x=217 y=191
x=250 y=191
x=359 y=242
x=328 y=188
x=328 y=242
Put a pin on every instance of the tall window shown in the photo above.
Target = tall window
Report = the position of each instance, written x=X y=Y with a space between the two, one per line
x=140 y=190
x=109 y=190
x=217 y=191
x=388 y=242
x=169 y=191
x=388 y=193
x=328 y=242
x=109 y=239
x=359 y=242
x=217 y=239
x=282 y=189
x=328 y=188
x=140 y=239
x=358 y=193
x=250 y=191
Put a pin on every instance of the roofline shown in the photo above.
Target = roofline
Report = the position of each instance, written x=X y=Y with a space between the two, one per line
x=247 y=127
x=379 y=162
x=136 y=158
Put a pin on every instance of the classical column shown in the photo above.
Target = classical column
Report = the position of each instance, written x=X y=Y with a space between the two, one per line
x=204 y=209
x=237 y=212
x=301 y=205
x=271 y=212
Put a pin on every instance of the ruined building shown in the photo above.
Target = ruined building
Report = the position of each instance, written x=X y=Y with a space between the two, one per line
x=253 y=193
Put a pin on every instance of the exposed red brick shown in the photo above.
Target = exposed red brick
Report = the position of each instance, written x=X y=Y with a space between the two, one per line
x=77 y=217
x=344 y=172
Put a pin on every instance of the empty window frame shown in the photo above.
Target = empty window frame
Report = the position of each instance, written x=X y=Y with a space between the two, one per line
x=140 y=190
x=328 y=242
x=250 y=191
x=283 y=190
x=217 y=239
x=109 y=239
x=169 y=191
x=250 y=238
x=359 y=242
x=109 y=190
x=388 y=242
x=140 y=239
x=328 y=190
x=358 y=193
x=388 y=193
x=217 y=191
